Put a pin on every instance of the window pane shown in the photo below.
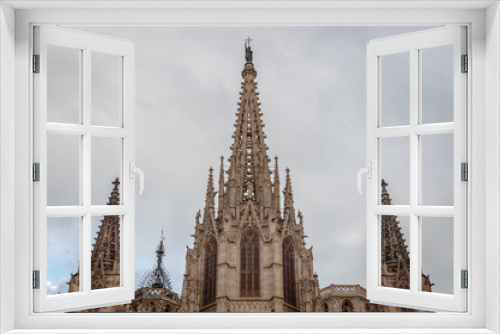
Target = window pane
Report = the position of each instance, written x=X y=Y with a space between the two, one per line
x=437 y=254
x=63 y=170
x=106 y=89
x=437 y=84
x=395 y=168
x=395 y=89
x=437 y=169
x=106 y=168
x=63 y=255
x=63 y=84
x=395 y=256
x=105 y=260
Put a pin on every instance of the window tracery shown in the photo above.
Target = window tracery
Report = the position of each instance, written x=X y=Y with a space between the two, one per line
x=210 y=275
x=289 y=273
x=250 y=270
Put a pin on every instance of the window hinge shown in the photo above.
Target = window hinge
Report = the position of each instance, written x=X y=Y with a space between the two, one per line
x=465 y=64
x=36 y=172
x=36 y=279
x=36 y=63
x=465 y=279
x=464 y=172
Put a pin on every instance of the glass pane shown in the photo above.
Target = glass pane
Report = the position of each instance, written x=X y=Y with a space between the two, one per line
x=395 y=169
x=437 y=254
x=63 y=84
x=106 y=89
x=106 y=169
x=395 y=89
x=395 y=242
x=63 y=170
x=437 y=84
x=437 y=169
x=105 y=260
x=63 y=255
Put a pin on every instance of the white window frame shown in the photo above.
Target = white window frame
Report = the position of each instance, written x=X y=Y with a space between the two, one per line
x=483 y=20
x=413 y=44
x=86 y=43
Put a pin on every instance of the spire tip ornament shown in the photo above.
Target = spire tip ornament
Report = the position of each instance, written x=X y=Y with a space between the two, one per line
x=248 y=50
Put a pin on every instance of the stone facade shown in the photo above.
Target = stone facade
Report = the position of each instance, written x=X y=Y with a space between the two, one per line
x=249 y=204
x=249 y=199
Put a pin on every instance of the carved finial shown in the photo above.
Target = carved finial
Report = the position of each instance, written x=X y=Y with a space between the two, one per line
x=384 y=184
x=248 y=50
x=116 y=183
x=385 y=195
x=114 y=199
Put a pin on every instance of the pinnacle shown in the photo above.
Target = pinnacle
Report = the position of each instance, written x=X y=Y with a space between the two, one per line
x=288 y=185
x=276 y=170
x=210 y=184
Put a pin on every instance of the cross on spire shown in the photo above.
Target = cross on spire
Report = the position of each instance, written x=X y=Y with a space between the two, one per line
x=248 y=50
x=247 y=41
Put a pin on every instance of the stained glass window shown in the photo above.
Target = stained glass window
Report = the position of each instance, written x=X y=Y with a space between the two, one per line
x=250 y=272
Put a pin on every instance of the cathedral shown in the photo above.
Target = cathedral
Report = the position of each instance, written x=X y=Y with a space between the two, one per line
x=249 y=252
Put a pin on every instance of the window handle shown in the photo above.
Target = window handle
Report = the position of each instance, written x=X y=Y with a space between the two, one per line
x=134 y=170
x=368 y=171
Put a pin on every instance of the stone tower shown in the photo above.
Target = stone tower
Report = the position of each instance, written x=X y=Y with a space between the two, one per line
x=155 y=288
x=249 y=255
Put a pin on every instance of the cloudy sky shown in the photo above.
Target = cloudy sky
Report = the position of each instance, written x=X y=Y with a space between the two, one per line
x=312 y=83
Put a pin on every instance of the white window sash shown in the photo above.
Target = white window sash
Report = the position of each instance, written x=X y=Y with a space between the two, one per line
x=412 y=43
x=86 y=298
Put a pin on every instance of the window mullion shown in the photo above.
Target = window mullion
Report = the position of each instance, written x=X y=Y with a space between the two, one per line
x=414 y=167
x=85 y=241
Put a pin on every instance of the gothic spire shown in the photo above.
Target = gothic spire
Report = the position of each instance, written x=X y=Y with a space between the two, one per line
x=158 y=276
x=105 y=258
x=249 y=173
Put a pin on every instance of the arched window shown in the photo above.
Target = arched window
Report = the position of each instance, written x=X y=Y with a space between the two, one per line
x=210 y=276
x=250 y=272
x=347 y=306
x=289 y=273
